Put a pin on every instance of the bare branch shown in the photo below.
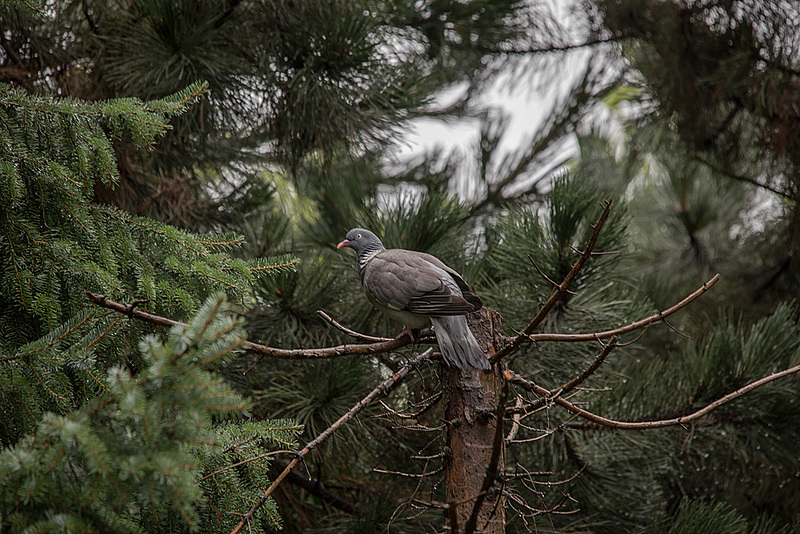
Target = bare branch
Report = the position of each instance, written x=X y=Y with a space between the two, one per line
x=631 y=327
x=272 y=352
x=425 y=407
x=559 y=291
x=586 y=373
x=431 y=457
x=632 y=425
x=242 y=462
x=380 y=390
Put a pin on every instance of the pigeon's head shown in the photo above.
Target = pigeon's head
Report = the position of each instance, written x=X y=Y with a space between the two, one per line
x=360 y=240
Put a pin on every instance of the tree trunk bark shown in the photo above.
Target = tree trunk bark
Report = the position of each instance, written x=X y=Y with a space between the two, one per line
x=472 y=436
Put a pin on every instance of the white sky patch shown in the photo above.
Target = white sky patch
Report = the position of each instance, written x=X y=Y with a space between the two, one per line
x=524 y=96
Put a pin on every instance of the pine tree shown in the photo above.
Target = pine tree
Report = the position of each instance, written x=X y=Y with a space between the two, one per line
x=722 y=77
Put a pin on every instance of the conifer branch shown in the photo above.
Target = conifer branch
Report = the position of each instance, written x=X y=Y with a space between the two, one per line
x=380 y=390
x=559 y=291
x=272 y=352
x=661 y=423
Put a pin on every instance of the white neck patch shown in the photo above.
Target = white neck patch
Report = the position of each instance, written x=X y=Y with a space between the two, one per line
x=366 y=257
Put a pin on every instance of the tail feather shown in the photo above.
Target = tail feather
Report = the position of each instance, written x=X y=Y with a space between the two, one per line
x=458 y=345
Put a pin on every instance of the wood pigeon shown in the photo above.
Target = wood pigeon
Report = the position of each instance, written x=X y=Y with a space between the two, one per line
x=418 y=290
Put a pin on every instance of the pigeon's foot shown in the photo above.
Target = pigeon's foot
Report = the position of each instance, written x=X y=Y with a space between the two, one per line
x=413 y=334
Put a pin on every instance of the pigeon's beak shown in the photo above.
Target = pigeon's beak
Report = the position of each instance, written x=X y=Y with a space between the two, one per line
x=343 y=244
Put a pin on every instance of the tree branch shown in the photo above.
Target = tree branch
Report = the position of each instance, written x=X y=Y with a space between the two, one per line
x=272 y=352
x=382 y=389
x=556 y=47
x=352 y=333
x=572 y=384
x=661 y=423
x=628 y=328
x=743 y=178
x=559 y=291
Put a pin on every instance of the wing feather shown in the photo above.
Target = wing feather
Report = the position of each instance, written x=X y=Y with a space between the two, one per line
x=410 y=281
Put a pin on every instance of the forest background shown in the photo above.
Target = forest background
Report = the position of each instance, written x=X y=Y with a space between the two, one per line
x=199 y=160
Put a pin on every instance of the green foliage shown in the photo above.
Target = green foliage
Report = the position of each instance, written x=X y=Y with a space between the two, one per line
x=234 y=471
x=726 y=82
x=144 y=456
x=698 y=518
x=56 y=244
x=289 y=149
x=552 y=238
x=742 y=454
x=288 y=80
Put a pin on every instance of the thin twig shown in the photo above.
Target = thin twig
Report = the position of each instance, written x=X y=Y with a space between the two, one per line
x=681 y=420
x=564 y=47
x=685 y=336
x=541 y=272
x=349 y=332
x=564 y=388
x=730 y=174
x=382 y=389
x=595 y=253
x=242 y=462
x=431 y=457
x=586 y=373
x=408 y=475
x=425 y=407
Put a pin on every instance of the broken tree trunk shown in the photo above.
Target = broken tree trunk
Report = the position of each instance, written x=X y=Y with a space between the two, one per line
x=472 y=437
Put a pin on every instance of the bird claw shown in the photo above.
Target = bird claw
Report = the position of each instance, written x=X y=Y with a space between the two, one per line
x=408 y=332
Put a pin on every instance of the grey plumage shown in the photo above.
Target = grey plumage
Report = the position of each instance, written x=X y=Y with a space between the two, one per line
x=418 y=290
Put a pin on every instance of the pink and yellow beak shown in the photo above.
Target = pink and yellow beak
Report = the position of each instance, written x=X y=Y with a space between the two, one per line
x=343 y=244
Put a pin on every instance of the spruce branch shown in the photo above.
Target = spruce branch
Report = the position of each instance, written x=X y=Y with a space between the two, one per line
x=661 y=423
x=379 y=391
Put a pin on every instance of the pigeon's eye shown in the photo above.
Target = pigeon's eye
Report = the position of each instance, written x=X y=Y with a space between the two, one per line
x=358 y=236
